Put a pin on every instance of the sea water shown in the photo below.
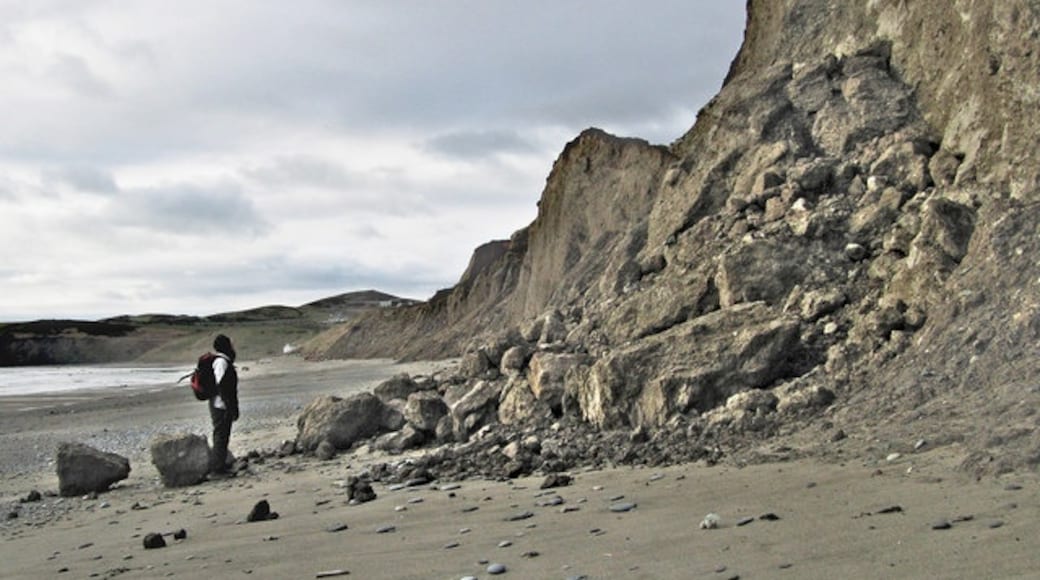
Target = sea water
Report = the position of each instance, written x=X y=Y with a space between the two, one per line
x=36 y=380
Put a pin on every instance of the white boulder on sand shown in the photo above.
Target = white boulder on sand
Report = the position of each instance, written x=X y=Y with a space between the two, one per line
x=181 y=458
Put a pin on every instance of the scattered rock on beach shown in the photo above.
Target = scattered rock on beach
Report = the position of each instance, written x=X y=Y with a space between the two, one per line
x=181 y=458
x=520 y=516
x=710 y=522
x=153 y=541
x=261 y=512
x=33 y=496
x=83 y=469
x=359 y=490
x=622 y=507
x=331 y=573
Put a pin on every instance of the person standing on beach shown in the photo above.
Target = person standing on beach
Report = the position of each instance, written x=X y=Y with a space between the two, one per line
x=223 y=407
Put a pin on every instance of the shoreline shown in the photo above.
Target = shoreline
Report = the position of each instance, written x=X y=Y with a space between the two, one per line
x=123 y=420
x=830 y=518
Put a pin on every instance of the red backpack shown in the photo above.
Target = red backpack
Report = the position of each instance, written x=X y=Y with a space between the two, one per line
x=203 y=381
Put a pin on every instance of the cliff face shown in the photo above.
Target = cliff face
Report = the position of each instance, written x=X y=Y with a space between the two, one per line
x=851 y=225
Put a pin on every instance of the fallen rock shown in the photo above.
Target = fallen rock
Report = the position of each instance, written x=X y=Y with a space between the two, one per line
x=476 y=408
x=400 y=441
x=83 y=469
x=181 y=458
x=341 y=422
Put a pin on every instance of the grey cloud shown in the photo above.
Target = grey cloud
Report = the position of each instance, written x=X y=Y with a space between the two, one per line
x=82 y=178
x=416 y=66
x=303 y=170
x=190 y=209
x=478 y=143
x=74 y=73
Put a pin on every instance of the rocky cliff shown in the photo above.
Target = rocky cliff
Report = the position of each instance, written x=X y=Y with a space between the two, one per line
x=844 y=243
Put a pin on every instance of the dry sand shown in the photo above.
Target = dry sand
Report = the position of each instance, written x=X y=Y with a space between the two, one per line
x=857 y=519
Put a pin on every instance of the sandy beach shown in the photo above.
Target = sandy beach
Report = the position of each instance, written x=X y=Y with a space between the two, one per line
x=914 y=516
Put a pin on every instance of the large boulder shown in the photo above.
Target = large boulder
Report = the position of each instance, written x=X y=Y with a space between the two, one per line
x=340 y=421
x=695 y=365
x=84 y=469
x=181 y=458
x=424 y=410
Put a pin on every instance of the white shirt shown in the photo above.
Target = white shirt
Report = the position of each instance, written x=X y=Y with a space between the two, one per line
x=220 y=366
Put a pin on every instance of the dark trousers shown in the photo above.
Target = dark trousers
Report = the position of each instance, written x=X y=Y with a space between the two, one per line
x=221 y=435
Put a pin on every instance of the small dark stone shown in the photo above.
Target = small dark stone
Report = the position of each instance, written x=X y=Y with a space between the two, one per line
x=520 y=516
x=386 y=529
x=891 y=510
x=745 y=521
x=941 y=525
x=33 y=496
x=180 y=534
x=153 y=541
x=260 y=512
x=359 y=490
x=996 y=524
x=769 y=517
x=337 y=527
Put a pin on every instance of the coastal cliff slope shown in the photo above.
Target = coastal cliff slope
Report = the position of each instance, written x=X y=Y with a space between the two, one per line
x=849 y=228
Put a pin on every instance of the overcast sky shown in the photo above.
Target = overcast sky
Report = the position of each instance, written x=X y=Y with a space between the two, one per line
x=202 y=156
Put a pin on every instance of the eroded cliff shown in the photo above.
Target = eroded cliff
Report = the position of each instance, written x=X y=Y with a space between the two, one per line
x=849 y=228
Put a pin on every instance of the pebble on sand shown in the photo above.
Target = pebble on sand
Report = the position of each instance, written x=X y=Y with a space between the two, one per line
x=622 y=507
x=496 y=569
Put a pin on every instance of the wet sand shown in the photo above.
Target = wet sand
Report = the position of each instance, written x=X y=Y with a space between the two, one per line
x=856 y=519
